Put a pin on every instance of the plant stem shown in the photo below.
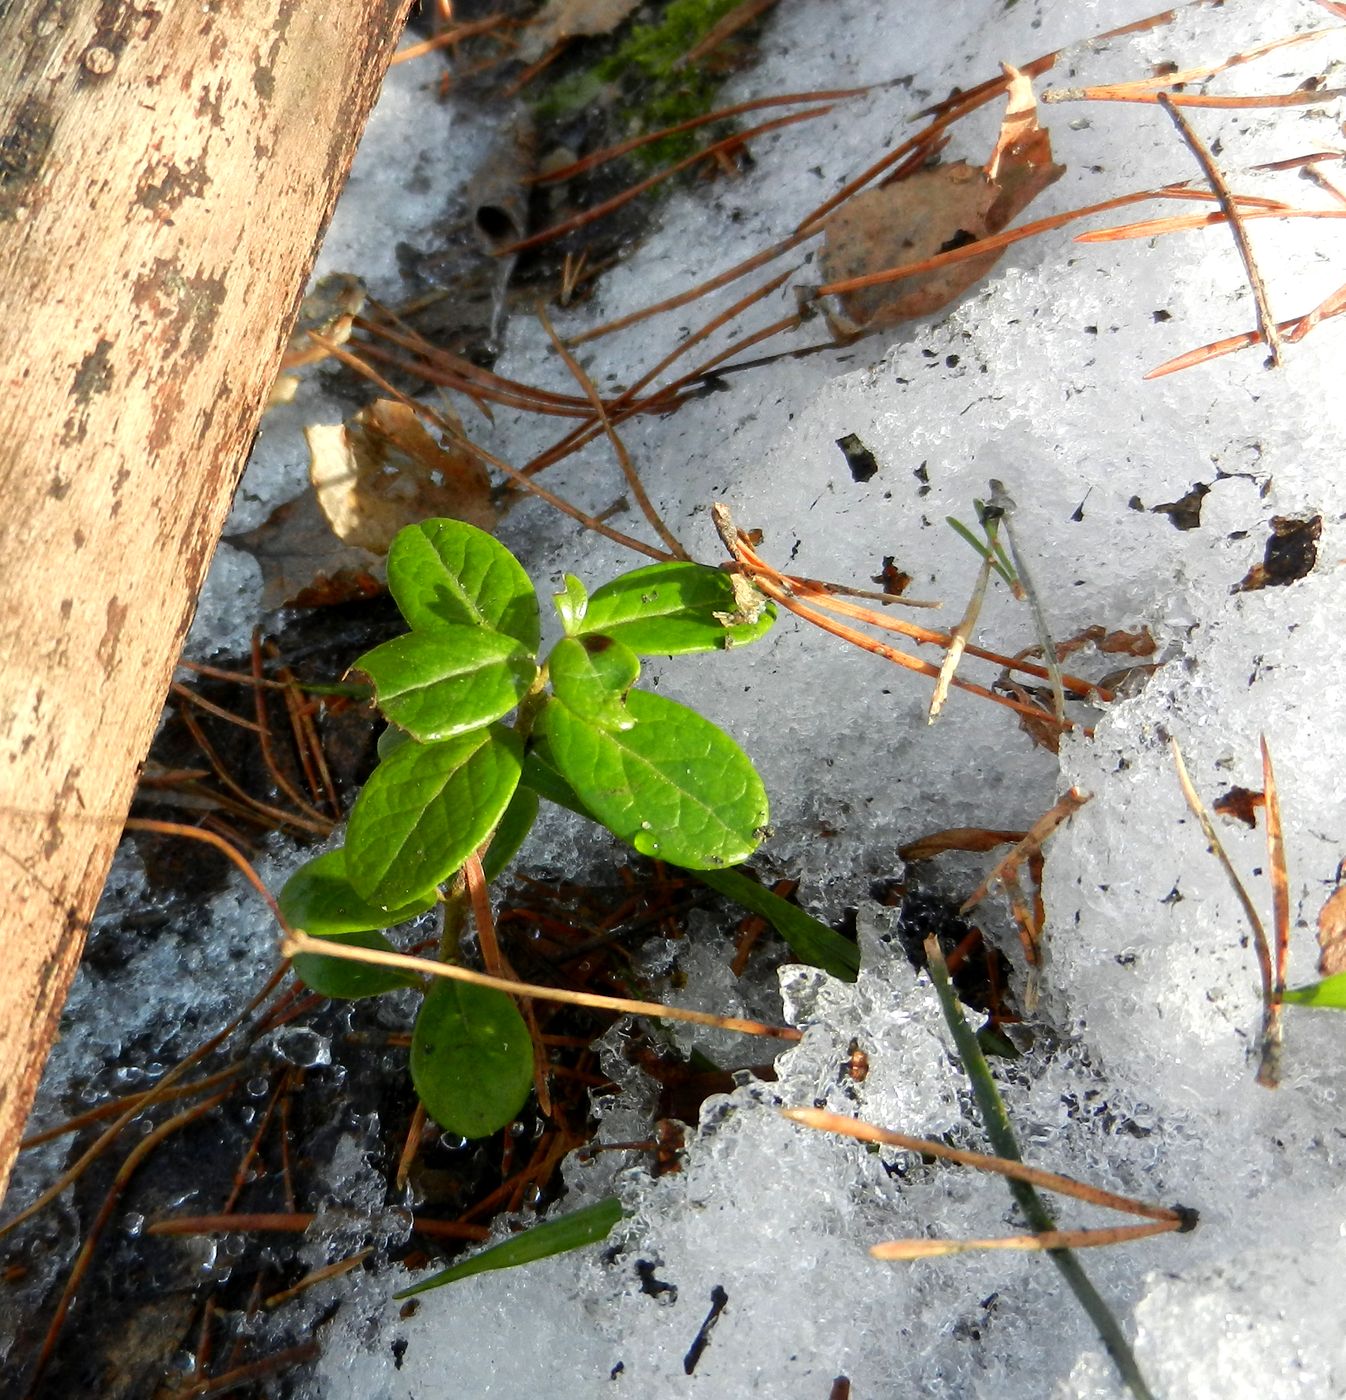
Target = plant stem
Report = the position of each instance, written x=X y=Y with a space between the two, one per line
x=998 y=1129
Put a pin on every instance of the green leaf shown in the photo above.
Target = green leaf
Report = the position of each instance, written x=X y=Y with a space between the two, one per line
x=1330 y=992
x=320 y=899
x=673 y=785
x=511 y=833
x=673 y=609
x=425 y=809
x=539 y=774
x=391 y=738
x=591 y=676
x=348 y=981
x=446 y=682
x=446 y=571
x=809 y=939
x=588 y=1225
x=571 y=605
x=471 y=1058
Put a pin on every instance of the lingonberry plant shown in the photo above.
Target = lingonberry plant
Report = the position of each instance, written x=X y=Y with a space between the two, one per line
x=457 y=778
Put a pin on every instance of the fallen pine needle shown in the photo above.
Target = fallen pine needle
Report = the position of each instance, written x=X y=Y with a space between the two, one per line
x=1048 y=1239
x=297 y=942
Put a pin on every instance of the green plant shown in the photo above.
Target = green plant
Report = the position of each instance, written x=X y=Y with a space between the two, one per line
x=455 y=781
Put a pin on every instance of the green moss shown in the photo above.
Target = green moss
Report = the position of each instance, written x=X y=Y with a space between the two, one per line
x=651 y=90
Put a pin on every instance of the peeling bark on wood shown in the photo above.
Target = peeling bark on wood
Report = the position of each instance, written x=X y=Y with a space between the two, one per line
x=166 y=169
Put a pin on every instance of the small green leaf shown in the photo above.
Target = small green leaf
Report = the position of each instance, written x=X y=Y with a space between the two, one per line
x=591 y=676
x=571 y=605
x=349 y=981
x=446 y=571
x=471 y=1058
x=446 y=682
x=425 y=809
x=588 y=1225
x=808 y=938
x=1330 y=992
x=673 y=609
x=320 y=899
x=673 y=785
x=511 y=833
x=539 y=774
x=392 y=738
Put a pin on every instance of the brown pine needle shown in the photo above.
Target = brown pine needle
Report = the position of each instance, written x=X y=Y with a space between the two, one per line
x=1031 y=843
x=342 y=1266
x=298 y=942
x=143 y=1149
x=609 y=206
x=1260 y=945
x=1268 y=1073
x=1194 y=99
x=786 y=99
x=1265 y=321
x=1180 y=223
x=825 y=1122
x=1048 y=1239
x=517 y=477
x=671 y=541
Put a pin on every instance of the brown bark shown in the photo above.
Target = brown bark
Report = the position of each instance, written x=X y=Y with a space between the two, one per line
x=166 y=167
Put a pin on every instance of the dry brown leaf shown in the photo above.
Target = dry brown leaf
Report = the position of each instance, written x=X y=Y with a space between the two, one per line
x=930 y=212
x=304 y=564
x=560 y=20
x=382 y=470
x=958 y=838
x=1332 y=930
x=1240 y=804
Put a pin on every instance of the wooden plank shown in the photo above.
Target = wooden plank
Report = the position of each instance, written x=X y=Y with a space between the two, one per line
x=165 y=172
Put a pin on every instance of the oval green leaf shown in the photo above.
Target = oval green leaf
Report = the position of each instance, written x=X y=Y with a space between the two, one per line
x=673 y=785
x=471 y=1059
x=446 y=682
x=673 y=609
x=1330 y=992
x=425 y=809
x=591 y=676
x=320 y=899
x=448 y=572
x=349 y=981
x=570 y=605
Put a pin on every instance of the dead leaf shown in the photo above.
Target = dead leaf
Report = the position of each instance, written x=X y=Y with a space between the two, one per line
x=382 y=470
x=934 y=211
x=1241 y=804
x=1291 y=552
x=330 y=309
x=560 y=20
x=958 y=838
x=1332 y=931
x=304 y=564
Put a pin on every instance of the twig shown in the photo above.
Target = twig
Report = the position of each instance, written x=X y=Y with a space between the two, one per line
x=1265 y=321
x=962 y=632
x=1045 y=1240
x=1268 y=1073
x=342 y=1266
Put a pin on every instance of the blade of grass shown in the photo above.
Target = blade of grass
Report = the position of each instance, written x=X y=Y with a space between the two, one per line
x=1039 y=1217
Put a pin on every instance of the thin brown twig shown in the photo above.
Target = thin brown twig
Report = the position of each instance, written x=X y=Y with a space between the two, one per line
x=342 y=1266
x=902 y=1250
x=1265 y=321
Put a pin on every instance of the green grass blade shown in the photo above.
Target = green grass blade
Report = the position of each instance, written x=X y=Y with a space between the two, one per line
x=809 y=939
x=588 y=1225
x=1039 y=1217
